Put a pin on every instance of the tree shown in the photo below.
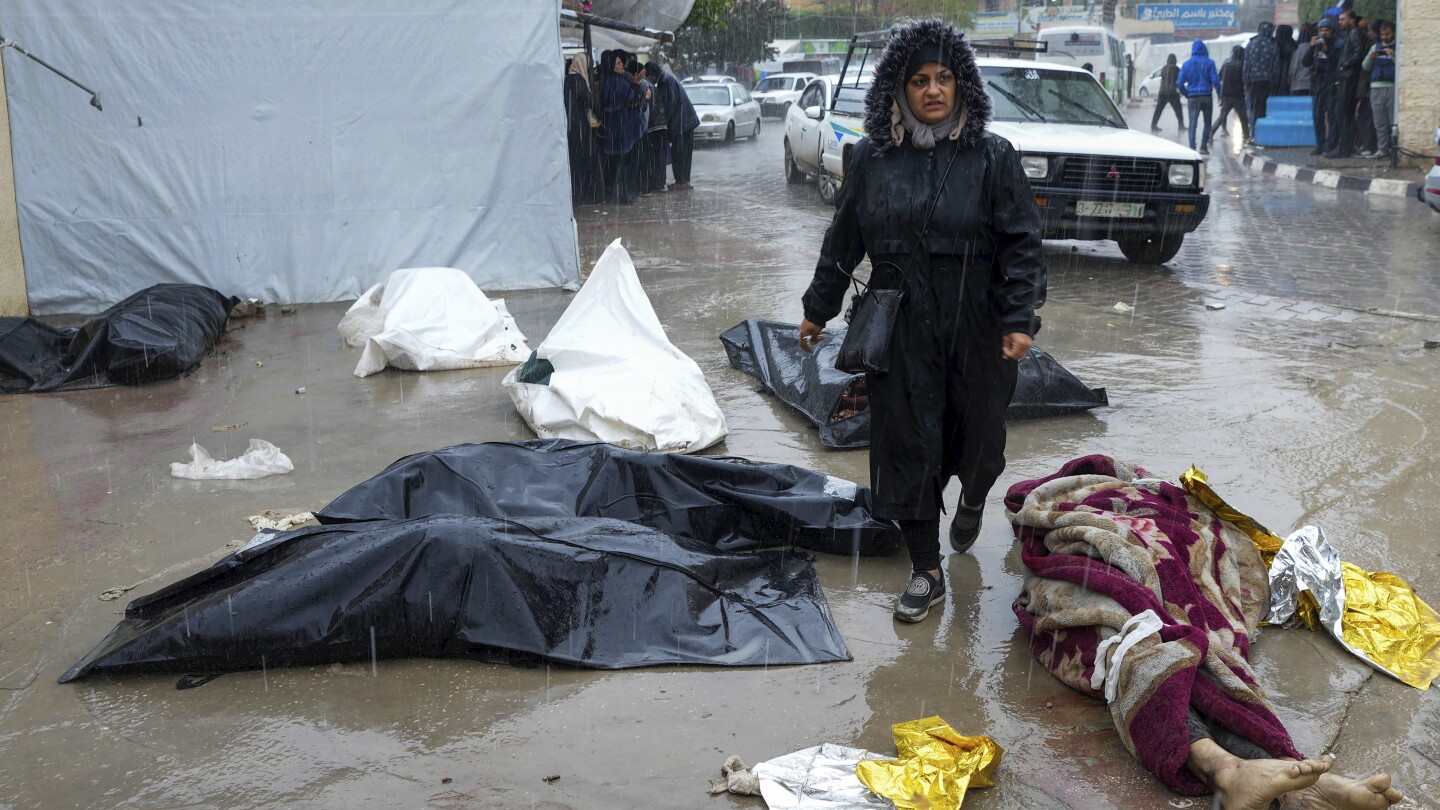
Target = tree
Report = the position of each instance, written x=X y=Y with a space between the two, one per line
x=730 y=32
x=1313 y=10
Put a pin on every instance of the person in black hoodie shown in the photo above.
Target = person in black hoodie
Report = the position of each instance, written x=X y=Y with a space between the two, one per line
x=972 y=281
x=679 y=128
x=1286 y=45
x=1169 y=94
x=1262 y=66
x=1232 y=91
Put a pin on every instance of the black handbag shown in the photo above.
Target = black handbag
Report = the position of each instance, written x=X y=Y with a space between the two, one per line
x=874 y=313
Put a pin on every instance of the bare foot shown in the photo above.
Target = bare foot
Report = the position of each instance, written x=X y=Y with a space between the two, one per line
x=1333 y=792
x=1252 y=784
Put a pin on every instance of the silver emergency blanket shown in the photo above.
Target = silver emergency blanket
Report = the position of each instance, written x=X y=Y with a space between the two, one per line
x=1307 y=562
x=295 y=152
x=818 y=778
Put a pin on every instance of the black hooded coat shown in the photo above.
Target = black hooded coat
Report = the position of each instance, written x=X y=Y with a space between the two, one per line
x=972 y=277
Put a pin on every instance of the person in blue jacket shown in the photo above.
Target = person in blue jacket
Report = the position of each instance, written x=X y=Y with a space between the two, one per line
x=1198 y=82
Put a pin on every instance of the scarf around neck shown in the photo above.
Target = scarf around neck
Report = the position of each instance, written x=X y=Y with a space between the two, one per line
x=925 y=136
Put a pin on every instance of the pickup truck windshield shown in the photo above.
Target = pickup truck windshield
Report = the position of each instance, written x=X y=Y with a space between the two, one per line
x=772 y=85
x=712 y=96
x=1061 y=96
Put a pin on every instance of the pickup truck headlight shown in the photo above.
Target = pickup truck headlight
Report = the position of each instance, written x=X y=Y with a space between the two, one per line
x=1037 y=167
x=1182 y=174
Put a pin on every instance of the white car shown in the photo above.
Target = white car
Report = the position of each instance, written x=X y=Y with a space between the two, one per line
x=1092 y=175
x=726 y=110
x=710 y=77
x=1151 y=85
x=776 y=93
x=811 y=128
x=1429 y=191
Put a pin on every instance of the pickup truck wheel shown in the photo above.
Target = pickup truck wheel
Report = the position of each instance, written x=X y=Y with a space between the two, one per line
x=827 y=189
x=1152 y=249
x=793 y=175
x=730 y=133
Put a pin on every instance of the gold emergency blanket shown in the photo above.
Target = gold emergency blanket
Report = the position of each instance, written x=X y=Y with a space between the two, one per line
x=1391 y=625
x=935 y=766
x=1381 y=619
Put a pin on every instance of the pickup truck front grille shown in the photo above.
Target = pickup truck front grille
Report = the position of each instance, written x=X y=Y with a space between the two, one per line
x=1111 y=173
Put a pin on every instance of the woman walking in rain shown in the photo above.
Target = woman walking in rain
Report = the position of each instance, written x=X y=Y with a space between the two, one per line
x=971 y=279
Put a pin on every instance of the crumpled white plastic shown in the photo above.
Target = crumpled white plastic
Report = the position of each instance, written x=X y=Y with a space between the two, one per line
x=430 y=319
x=262 y=459
x=818 y=778
x=617 y=377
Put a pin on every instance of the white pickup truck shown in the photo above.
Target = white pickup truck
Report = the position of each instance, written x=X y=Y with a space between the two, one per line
x=1093 y=176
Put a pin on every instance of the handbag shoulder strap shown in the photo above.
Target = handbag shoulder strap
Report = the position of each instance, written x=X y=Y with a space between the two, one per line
x=925 y=226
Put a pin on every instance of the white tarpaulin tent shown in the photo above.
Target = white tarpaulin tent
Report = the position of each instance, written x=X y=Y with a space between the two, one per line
x=287 y=151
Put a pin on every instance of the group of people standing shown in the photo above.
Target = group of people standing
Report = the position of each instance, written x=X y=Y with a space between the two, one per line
x=1346 y=64
x=1352 y=65
x=624 y=121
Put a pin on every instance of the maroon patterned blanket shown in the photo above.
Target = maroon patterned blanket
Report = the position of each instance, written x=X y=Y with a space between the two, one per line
x=1135 y=572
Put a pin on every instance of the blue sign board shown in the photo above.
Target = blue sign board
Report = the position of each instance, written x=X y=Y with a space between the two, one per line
x=1190 y=16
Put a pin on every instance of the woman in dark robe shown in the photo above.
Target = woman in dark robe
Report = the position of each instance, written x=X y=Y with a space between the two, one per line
x=620 y=98
x=587 y=184
x=972 y=282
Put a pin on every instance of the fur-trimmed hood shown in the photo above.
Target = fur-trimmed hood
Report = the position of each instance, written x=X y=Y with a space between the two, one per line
x=890 y=79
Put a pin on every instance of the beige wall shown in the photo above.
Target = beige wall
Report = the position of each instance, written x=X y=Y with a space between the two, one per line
x=13 y=298
x=1418 y=102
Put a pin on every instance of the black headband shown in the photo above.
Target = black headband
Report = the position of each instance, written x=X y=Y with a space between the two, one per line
x=928 y=52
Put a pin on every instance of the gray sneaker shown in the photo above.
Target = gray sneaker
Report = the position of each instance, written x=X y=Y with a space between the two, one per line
x=924 y=591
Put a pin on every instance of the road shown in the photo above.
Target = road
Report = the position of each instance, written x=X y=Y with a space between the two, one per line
x=1307 y=399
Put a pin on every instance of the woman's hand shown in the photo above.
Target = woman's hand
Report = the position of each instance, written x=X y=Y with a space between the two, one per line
x=809 y=335
x=1014 y=346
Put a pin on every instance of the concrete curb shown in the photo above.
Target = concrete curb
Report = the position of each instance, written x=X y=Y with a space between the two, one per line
x=1329 y=179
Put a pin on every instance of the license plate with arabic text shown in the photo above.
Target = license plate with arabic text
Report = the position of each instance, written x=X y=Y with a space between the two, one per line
x=1121 y=210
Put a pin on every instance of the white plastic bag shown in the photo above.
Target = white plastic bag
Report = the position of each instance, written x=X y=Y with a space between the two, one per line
x=617 y=377
x=262 y=459
x=429 y=319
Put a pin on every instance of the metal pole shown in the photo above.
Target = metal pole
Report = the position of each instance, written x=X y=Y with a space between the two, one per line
x=94 y=96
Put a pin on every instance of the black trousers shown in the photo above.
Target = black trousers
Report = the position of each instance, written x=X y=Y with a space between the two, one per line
x=1227 y=104
x=622 y=180
x=1259 y=98
x=1320 y=111
x=652 y=161
x=682 y=149
x=1200 y=729
x=1173 y=99
x=1342 y=116
x=1365 y=125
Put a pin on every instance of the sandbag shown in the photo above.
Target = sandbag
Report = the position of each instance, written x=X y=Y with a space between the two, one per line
x=429 y=319
x=837 y=403
x=728 y=504
x=608 y=372
x=156 y=334
x=590 y=592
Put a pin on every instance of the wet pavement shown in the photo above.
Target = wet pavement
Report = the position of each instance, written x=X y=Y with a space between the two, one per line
x=1307 y=399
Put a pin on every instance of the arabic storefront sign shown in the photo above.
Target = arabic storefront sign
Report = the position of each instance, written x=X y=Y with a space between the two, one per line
x=1190 y=16
x=990 y=25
